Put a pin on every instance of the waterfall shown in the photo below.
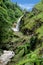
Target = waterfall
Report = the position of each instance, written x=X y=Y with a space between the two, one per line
x=18 y=24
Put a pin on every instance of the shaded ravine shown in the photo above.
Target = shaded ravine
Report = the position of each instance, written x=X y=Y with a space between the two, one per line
x=18 y=24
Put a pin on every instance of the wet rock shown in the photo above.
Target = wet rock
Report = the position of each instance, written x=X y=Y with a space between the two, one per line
x=14 y=24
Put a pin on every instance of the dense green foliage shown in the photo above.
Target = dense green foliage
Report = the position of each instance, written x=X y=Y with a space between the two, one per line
x=28 y=42
x=9 y=13
x=29 y=50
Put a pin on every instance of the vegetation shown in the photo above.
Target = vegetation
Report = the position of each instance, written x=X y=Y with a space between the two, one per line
x=28 y=42
x=8 y=15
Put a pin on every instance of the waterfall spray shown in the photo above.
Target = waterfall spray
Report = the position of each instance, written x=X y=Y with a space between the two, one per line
x=18 y=24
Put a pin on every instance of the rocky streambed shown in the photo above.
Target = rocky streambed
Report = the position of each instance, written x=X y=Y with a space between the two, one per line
x=6 y=57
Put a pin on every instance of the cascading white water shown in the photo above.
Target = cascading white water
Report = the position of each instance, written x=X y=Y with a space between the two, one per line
x=17 y=26
x=6 y=57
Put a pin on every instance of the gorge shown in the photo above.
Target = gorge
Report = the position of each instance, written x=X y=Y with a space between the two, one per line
x=21 y=35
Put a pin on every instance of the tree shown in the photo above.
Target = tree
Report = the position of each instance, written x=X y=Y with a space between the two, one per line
x=42 y=1
x=5 y=0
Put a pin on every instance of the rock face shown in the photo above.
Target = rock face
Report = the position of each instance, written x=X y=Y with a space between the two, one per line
x=14 y=24
x=6 y=57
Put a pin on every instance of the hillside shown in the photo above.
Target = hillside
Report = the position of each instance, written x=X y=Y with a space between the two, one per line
x=9 y=13
x=27 y=43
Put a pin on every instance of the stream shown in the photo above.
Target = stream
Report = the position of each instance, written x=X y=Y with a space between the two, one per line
x=7 y=55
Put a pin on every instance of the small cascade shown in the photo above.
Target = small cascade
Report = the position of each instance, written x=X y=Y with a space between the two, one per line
x=6 y=57
x=18 y=24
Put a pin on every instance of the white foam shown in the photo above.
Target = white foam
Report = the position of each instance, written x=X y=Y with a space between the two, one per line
x=18 y=24
x=6 y=57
